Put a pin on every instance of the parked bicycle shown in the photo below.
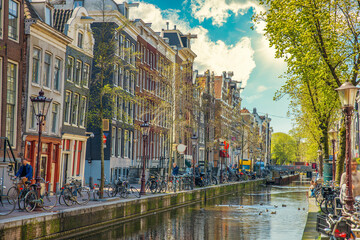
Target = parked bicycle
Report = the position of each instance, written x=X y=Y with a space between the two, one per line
x=73 y=193
x=7 y=203
x=46 y=200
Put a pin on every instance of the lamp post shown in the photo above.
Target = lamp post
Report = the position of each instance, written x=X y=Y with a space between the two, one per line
x=319 y=152
x=194 y=139
x=332 y=134
x=40 y=107
x=347 y=94
x=145 y=128
x=221 y=145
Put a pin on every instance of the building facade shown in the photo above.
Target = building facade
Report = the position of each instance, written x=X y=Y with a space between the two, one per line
x=46 y=48
x=75 y=23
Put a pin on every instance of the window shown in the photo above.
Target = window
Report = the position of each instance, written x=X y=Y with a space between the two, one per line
x=11 y=102
x=115 y=110
x=132 y=54
x=75 y=108
x=119 y=108
x=113 y=138
x=130 y=144
x=70 y=69
x=13 y=20
x=121 y=77
x=33 y=120
x=132 y=83
x=36 y=66
x=1 y=16
x=57 y=76
x=55 y=116
x=78 y=72
x=128 y=50
x=47 y=70
x=78 y=3
x=116 y=75
x=139 y=76
x=48 y=18
x=82 y=113
x=86 y=74
x=126 y=141
x=121 y=43
x=80 y=40
x=119 y=142
x=126 y=81
x=67 y=106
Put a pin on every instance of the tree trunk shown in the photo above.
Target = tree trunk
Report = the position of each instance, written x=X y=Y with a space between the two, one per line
x=341 y=157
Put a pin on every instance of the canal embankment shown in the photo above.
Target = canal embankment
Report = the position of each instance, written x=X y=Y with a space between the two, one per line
x=73 y=220
x=310 y=232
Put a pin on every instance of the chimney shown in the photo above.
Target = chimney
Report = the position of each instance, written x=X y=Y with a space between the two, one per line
x=167 y=25
x=174 y=27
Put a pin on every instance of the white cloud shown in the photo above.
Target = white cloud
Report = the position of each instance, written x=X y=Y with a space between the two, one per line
x=261 y=88
x=220 y=10
x=216 y=56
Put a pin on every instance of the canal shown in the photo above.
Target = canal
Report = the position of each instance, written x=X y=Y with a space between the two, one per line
x=272 y=212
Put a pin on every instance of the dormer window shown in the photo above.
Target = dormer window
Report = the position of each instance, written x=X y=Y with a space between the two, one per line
x=48 y=17
x=78 y=3
x=80 y=40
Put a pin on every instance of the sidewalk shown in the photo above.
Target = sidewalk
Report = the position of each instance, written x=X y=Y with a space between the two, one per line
x=310 y=232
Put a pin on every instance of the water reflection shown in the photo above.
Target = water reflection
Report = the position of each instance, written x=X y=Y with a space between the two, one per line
x=265 y=213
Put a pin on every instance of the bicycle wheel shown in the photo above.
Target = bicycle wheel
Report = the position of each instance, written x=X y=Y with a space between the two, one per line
x=30 y=201
x=323 y=206
x=13 y=193
x=108 y=189
x=153 y=187
x=83 y=195
x=134 y=191
x=21 y=199
x=67 y=197
x=49 y=200
x=329 y=206
x=164 y=187
x=7 y=205
x=96 y=194
x=147 y=186
x=214 y=181
x=124 y=192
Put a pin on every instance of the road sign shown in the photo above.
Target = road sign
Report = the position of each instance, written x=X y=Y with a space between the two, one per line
x=104 y=139
x=181 y=148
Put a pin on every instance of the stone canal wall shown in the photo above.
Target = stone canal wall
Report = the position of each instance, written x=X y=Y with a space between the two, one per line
x=68 y=221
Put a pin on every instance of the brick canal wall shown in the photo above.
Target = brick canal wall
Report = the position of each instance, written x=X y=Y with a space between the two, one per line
x=56 y=224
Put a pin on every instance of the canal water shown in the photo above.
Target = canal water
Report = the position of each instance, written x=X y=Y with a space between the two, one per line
x=271 y=213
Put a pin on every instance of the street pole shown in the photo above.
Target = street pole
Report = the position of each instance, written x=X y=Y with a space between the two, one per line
x=145 y=127
x=38 y=178
x=347 y=95
x=349 y=198
x=142 y=190
x=333 y=161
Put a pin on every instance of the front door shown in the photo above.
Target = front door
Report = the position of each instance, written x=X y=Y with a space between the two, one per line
x=43 y=166
x=65 y=167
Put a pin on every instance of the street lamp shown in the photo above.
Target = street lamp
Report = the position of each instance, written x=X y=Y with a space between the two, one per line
x=347 y=94
x=145 y=128
x=332 y=135
x=40 y=107
x=194 y=139
x=221 y=145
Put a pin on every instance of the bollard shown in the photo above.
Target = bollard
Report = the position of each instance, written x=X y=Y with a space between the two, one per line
x=91 y=182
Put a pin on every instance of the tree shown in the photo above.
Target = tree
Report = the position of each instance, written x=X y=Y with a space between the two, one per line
x=323 y=34
x=103 y=92
x=283 y=148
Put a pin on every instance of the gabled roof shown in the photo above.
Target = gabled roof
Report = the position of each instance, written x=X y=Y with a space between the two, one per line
x=29 y=12
x=61 y=16
x=244 y=110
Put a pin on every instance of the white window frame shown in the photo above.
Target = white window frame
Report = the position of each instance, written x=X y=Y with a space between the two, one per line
x=71 y=79
x=18 y=21
x=67 y=108
x=49 y=74
x=1 y=19
x=82 y=113
x=57 y=117
x=86 y=78
x=113 y=141
x=76 y=111
x=119 y=141
x=78 y=74
x=14 y=123
x=57 y=60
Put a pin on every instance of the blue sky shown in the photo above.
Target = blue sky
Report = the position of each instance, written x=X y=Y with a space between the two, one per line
x=226 y=43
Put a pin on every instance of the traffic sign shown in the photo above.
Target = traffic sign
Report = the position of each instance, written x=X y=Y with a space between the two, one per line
x=104 y=139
